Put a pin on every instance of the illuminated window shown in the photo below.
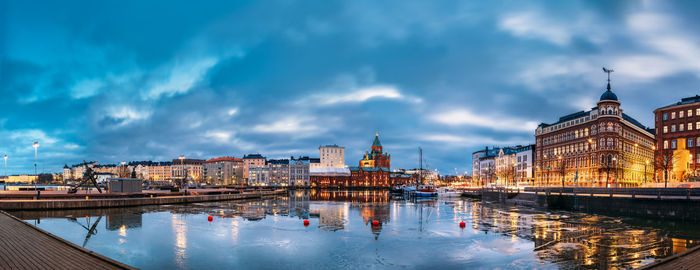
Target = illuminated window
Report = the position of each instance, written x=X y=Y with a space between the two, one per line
x=690 y=126
x=680 y=114
x=690 y=113
x=665 y=144
x=673 y=115
x=666 y=128
x=680 y=127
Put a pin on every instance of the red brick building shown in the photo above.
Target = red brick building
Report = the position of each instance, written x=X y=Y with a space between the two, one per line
x=369 y=177
x=677 y=135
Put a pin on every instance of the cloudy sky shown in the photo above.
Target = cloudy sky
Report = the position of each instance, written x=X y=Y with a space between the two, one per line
x=151 y=80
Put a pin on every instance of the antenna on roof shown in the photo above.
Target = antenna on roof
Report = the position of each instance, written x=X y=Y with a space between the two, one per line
x=608 y=71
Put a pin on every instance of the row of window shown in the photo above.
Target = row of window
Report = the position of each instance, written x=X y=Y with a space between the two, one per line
x=682 y=127
x=690 y=142
x=681 y=114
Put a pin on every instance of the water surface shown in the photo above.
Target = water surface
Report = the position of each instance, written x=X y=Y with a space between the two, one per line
x=269 y=234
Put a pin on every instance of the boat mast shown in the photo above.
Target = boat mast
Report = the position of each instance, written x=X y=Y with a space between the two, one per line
x=420 y=164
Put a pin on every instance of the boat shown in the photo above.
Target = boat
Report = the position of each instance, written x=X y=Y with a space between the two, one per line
x=449 y=192
x=396 y=190
x=426 y=191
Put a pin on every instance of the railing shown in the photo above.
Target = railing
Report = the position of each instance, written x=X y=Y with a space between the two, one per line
x=633 y=192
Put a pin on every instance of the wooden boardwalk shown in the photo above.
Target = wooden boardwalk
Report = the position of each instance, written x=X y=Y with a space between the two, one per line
x=23 y=246
x=686 y=260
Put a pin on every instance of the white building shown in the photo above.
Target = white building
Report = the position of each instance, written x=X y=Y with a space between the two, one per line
x=524 y=160
x=332 y=156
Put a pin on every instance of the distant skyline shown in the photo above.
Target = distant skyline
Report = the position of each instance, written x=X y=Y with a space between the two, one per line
x=135 y=80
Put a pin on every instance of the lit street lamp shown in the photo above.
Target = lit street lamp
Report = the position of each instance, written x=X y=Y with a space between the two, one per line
x=645 y=171
x=36 y=172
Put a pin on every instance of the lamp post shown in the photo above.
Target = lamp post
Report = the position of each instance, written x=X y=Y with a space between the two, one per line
x=562 y=168
x=182 y=163
x=36 y=171
x=5 y=185
x=690 y=160
x=646 y=163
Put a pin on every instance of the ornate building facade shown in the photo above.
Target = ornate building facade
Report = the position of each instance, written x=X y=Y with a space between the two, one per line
x=376 y=158
x=600 y=147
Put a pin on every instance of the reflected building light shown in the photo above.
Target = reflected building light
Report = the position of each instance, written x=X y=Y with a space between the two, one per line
x=180 y=228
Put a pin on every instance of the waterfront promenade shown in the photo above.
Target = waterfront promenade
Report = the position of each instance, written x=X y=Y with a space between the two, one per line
x=686 y=260
x=27 y=247
x=126 y=200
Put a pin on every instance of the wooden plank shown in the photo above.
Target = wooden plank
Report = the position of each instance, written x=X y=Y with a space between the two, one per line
x=23 y=246
x=690 y=259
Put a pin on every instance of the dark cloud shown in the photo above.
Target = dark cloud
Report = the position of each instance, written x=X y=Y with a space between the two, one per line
x=138 y=80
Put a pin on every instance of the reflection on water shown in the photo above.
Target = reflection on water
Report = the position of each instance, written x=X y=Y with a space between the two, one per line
x=343 y=234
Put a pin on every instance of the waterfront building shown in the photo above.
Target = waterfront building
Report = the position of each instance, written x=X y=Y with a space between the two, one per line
x=524 y=160
x=424 y=175
x=312 y=162
x=484 y=166
x=103 y=177
x=187 y=168
x=369 y=177
x=299 y=173
x=376 y=158
x=401 y=178
x=332 y=156
x=599 y=147
x=505 y=166
x=252 y=161
x=278 y=172
x=677 y=128
x=223 y=171
x=258 y=176
x=329 y=177
x=76 y=171
x=160 y=171
x=67 y=173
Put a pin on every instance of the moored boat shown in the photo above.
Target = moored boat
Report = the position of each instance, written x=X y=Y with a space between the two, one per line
x=426 y=191
x=449 y=192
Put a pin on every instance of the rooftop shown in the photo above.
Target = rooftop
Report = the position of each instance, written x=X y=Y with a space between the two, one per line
x=229 y=159
x=684 y=101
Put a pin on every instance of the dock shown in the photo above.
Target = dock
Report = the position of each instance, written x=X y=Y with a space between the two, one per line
x=689 y=259
x=24 y=246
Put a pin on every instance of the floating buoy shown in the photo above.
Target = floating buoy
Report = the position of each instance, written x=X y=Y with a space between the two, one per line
x=210 y=218
x=375 y=223
x=306 y=222
x=462 y=224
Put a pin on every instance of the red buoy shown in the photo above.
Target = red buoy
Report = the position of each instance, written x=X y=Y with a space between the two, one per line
x=462 y=224
x=306 y=222
x=210 y=218
x=375 y=223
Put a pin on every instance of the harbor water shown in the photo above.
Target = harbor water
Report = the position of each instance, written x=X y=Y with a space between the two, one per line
x=342 y=234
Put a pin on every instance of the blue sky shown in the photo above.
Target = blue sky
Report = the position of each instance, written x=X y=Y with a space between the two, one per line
x=152 y=80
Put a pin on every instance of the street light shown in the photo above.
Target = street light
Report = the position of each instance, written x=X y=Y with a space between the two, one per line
x=36 y=172
x=5 y=185
x=182 y=164
x=645 y=171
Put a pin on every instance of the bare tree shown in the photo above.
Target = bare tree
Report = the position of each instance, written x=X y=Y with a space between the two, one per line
x=664 y=161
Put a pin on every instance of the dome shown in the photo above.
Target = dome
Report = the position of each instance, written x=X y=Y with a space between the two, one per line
x=608 y=95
